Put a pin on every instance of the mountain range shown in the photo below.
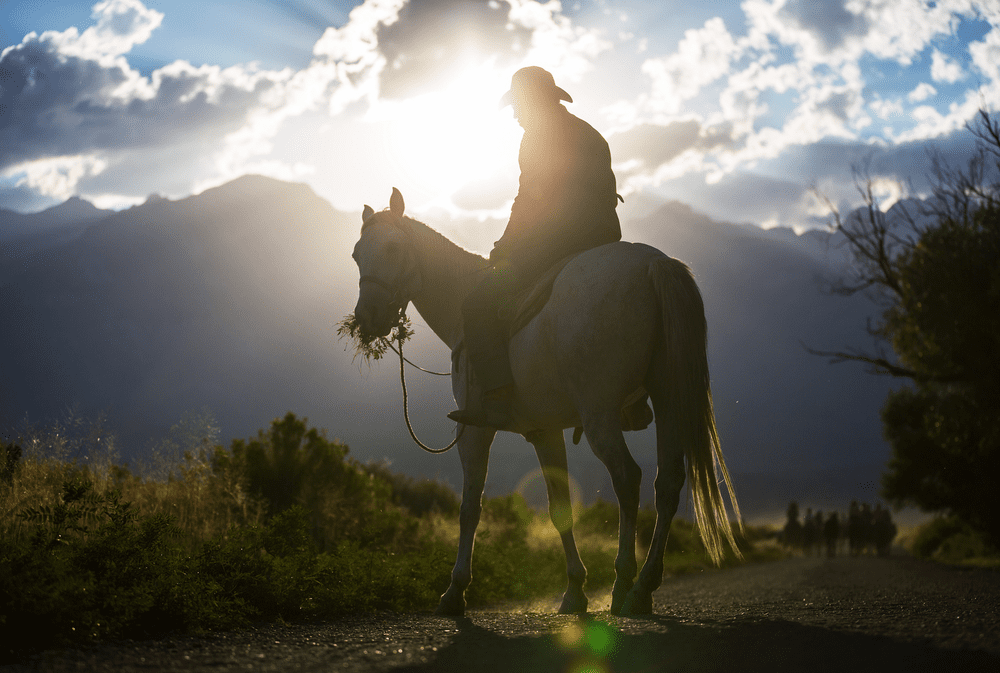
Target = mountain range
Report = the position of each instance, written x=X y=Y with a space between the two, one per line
x=227 y=301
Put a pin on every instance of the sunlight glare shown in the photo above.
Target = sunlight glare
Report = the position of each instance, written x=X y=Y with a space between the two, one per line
x=455 y=135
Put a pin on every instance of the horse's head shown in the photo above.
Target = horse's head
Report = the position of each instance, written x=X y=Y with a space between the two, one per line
x=390 y=274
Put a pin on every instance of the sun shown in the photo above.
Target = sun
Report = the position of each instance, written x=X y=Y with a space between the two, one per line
x=454 y=135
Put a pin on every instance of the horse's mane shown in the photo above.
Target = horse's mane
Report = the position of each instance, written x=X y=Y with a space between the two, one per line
x=444 y=252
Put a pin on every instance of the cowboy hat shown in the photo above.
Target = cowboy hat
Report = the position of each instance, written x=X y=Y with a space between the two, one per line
x=534 y=79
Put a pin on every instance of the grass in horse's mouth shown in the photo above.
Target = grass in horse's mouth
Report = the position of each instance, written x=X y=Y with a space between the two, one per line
x=371 y=347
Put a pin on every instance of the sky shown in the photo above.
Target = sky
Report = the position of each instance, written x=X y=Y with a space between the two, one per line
x=740 y=110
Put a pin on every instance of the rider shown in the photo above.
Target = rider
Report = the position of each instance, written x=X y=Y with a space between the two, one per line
x=565 y=203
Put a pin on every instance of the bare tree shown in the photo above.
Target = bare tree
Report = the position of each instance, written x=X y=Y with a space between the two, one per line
x=882 y=242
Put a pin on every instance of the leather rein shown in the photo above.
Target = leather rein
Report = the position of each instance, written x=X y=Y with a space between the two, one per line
x=395 y=299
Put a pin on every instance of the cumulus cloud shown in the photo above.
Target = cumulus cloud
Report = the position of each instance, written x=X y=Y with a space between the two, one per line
x=651 y=145
x=923 y=91
x=72 y=105
x=75 y=111
x=120 y=25
x=986 y=54
x=944 y=69
x=566 y=49
x=831 y=22
x=795 y=79
x=703 y=56
x=434 y=39
x=729 y=98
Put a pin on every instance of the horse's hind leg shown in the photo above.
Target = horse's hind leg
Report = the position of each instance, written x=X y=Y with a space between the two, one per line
x=604 y=433
x=668 y=484
x=474 y=450
x=551 y=451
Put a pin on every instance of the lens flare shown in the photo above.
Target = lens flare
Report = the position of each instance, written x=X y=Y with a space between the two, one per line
x=591 y=643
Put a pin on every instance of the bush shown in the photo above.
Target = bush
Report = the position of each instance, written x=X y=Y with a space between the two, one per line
x=951 y=540
x=91 y=567
x=282 y=526
x=418 y=496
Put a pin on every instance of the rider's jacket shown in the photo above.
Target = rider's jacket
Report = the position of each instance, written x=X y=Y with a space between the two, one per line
x=566 y=198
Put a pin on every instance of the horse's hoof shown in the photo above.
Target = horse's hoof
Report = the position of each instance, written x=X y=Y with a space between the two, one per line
x=616 y=605
x=573 y=605
x=636 y=605
x=450 y=606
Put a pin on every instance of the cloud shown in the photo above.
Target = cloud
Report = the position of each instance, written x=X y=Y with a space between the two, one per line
x=57 y=177
x=986 y=55
x=830 y=21
x=944 y=69
x=797 y=77
x=833 y=31
x=703 y=56
x=568 y=50
x=75 y=111
x=923 y=91
x=73 y=105
x=434 y=39
x=120 y=25
x=652 y=145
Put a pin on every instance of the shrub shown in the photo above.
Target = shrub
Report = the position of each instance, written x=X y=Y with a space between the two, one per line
x=418 y=496
x=951 y=540
x=282 y=526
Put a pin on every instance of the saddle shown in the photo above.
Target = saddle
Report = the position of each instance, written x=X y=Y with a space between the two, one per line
x=526 y=304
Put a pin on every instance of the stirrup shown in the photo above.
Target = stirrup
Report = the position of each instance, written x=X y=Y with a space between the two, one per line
x=493 y=414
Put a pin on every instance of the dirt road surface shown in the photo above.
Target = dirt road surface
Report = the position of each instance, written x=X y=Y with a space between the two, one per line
x=805 y=615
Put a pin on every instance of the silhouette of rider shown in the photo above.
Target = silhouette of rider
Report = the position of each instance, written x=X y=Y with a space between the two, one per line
x=565 y=203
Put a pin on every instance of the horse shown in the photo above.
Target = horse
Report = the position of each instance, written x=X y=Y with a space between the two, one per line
x=622 y=320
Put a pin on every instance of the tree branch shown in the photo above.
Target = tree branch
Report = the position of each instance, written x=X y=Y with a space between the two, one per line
x=882 y=367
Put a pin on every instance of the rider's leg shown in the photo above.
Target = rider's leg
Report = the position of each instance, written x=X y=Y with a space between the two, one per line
x=486 y=342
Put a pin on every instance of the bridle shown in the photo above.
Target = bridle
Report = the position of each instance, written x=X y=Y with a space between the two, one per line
x=393 y=289
x=396 y=289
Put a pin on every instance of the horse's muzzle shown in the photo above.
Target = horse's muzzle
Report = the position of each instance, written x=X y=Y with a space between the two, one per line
x=376 y=318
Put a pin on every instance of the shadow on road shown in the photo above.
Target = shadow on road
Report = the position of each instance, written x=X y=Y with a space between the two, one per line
x=604 y=645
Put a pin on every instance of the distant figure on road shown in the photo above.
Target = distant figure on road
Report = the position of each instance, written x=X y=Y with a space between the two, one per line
x=831 y=532
x=885 y=531
x=855 y=534
x=791 y=534
x=809 y=532
x=818 y=523
x=867 y=529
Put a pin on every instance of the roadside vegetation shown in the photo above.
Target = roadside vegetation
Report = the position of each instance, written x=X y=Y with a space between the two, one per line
x=949 y=539
x=282 y=526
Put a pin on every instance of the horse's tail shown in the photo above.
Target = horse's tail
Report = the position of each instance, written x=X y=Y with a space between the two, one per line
x=689 y=409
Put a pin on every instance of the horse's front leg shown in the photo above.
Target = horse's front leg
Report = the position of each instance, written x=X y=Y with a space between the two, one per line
x=474 y=450
x=550 y=447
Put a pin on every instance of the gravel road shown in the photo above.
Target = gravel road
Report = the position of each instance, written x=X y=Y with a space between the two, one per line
x=806 y=614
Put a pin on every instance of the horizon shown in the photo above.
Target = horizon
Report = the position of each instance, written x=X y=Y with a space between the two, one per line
x=234 y=320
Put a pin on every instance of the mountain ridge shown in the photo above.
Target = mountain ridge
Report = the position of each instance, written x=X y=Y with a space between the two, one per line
x=228 y=300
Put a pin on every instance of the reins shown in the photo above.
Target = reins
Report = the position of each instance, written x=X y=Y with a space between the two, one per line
x=406 y=410
x=416 y=366
x=402 y=359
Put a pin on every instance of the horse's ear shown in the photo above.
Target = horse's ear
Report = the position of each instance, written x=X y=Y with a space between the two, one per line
x=396 y=205
x=368 y=212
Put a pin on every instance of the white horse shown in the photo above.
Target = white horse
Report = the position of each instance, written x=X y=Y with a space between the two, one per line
x=621 y=319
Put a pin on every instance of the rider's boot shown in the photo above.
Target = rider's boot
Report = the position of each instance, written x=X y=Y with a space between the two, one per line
x=494 y=411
